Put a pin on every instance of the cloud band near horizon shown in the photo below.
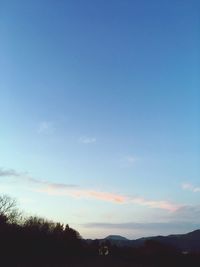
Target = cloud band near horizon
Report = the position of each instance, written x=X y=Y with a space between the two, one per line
x=62 y=189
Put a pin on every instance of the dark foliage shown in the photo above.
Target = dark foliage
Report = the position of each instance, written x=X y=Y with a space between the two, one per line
x=38 y=242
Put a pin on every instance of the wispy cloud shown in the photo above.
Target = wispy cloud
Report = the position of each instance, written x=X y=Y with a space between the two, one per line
x=165 y=205
x=86 y=193
x=49 y=185
x=128 y=161
x=63 y=189
x=87 y=140
x=190 y=187
x=142 y=226
x=8 y=173
x=25 y=177
x=110 y=197
x=131 y=159
x=107 y=196
x=46 y=127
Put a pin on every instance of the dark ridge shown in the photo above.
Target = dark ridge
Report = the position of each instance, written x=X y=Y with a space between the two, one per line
x=116 y=237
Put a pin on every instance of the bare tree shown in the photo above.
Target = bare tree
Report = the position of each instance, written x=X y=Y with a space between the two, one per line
x=9 y=210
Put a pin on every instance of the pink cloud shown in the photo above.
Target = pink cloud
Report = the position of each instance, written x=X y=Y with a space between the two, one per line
x=166 y=205
x=62 y=189
x=109 y=197
x=84 y=193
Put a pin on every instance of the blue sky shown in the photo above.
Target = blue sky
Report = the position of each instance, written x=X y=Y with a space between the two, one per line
x=99 y=113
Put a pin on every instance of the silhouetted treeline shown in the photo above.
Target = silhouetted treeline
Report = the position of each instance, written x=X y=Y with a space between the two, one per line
x=37 y=242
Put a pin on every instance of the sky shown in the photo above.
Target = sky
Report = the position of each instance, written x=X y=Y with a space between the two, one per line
x=100 y=114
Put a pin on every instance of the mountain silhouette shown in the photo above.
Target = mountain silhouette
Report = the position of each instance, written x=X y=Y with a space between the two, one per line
x=116 y=237
x=183 y=242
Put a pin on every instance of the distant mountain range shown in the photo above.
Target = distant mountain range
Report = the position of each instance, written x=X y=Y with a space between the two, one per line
x=189 y=242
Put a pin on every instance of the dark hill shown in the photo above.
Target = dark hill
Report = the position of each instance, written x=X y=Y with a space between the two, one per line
x=116 y=237
x=183 y=242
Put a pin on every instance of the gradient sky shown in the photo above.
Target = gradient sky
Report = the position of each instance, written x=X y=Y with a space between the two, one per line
x=99 y=113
